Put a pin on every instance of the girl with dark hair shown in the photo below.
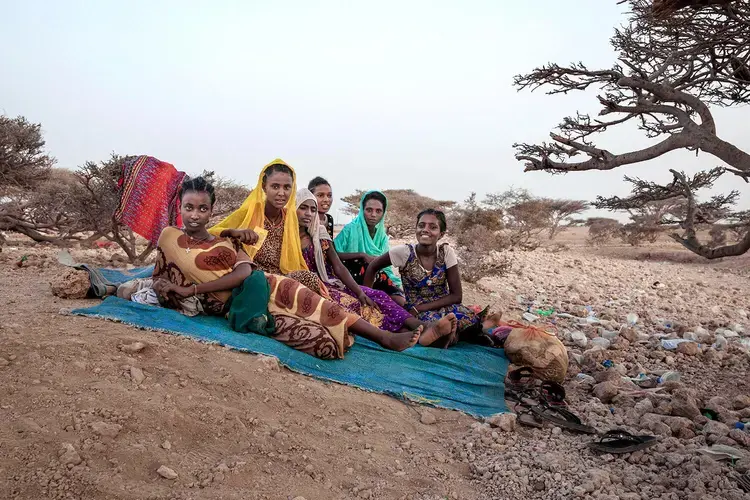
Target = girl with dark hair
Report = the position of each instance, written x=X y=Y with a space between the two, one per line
x=324 y=196
x=364 y=239
x=193 y=264
x=374 y=306
x=266 y=224
x=430 y=274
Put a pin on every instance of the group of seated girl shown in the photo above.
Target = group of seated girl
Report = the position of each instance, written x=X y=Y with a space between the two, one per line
x=273 y=267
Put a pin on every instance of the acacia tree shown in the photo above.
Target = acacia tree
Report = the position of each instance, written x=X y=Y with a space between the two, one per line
x=676 y=58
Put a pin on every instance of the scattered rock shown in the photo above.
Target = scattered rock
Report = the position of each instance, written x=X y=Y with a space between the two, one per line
x=132 y=348
x=166 y=472
x=71 y=284
x=166 y=445
x=136 y=375
x=629 y=334
x=742 y=438
x=688 y=348
x=4 y=362
x=106 y=429
x=740 y=402
x=643 y=406
x=606 y=391
x=506 y=422
x=68 y=455
x=427 y=417
x=280 y=435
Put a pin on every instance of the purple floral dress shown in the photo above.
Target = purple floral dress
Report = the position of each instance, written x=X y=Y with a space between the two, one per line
x=387 y=315
x=422 y=287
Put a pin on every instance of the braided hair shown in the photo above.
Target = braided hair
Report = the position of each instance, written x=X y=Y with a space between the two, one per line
x=277 y=167
x=438 y=214
x=317 y=181
x=198 y=185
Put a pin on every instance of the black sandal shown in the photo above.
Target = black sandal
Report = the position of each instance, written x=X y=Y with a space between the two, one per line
x=562 y=418
x=744 y=481
x=553 y=393
x=619 y=441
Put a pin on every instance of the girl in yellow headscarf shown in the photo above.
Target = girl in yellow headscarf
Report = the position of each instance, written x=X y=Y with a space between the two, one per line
x=266 y=224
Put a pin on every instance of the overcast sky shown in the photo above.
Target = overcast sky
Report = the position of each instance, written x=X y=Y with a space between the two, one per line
x=388 y=94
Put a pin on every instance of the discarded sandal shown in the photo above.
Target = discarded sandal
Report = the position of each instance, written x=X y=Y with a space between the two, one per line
x=743 y=480
x=552 y=393
x=619 y=441
x=561 y=418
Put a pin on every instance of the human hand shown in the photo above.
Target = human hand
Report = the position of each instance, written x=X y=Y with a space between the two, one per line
x=368 y=258
x=365 y=300
x=246 y=236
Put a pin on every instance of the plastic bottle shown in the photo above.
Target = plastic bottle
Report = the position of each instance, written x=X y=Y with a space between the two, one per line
x=720 y=343
x=669 y=376
x=632 y=319
x=690 y=336
x=530 y=317
x=601 y=342
x=671 y=344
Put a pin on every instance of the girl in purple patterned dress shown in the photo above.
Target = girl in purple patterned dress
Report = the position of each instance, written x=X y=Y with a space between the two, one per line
x=374 y=306
x=429 y=273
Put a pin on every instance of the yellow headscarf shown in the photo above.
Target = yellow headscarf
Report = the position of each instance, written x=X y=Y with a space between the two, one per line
x=251 y=215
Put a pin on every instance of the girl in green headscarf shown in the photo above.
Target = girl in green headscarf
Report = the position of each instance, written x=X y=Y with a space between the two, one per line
x=364 y=239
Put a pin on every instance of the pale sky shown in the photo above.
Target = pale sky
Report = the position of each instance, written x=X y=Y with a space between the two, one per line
x=371 y=95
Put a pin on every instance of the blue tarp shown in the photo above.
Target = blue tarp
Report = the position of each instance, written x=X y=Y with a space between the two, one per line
x=466 y=377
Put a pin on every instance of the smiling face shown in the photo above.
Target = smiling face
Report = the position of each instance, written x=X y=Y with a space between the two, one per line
x=428 y=230
x=324 y=194
x=195 y=210
x=278 y=189
x=374 y=211
x=306 y=212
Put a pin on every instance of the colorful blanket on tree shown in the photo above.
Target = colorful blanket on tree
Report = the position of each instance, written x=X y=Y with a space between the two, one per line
x=149 y=190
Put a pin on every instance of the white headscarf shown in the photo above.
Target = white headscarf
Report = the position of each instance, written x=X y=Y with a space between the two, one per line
x=317 y=233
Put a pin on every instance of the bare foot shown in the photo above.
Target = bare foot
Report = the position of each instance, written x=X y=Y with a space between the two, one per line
x=402 y=340
x=444 y=327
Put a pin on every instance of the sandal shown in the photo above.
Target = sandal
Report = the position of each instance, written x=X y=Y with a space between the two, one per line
x=553 y=393
x=562 y=418
x=619 y=441
x=743 y=480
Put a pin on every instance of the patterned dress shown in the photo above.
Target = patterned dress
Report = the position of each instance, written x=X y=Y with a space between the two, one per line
x=303 y=319
x=387 y=315
x=268 y=258
x=421 y=287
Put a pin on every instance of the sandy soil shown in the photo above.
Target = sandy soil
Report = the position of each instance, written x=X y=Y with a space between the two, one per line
x=85 y=418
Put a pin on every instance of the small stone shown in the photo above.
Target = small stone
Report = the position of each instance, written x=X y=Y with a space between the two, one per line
x=427 y=418
x=606 y=391
x=741 y=402
x=106 y=429
x=166 y=472
x=4 y=362
x=579 y=338
x=166 y=445
x=68 y=455
x=643 y=406
x=133 y=348
x=629 y=334
x=688 y=348
x=712 y=427
x=280 y=435
x=136 y=374
x=506 y=422
x=742 y=438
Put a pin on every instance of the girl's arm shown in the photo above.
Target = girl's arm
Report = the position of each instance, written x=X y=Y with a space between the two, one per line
x=454 y=297
x=243 y=268
x=345 y=276
x=376 y=265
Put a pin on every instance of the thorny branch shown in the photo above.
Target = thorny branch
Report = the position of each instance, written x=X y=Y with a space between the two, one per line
x=675 y=59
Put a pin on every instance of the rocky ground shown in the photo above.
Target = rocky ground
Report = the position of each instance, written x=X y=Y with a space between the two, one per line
x=99 y=410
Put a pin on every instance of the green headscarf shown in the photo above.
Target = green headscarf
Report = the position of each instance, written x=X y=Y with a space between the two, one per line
x=355 y=237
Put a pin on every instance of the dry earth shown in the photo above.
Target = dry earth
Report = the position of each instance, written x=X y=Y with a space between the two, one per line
x=84 y=418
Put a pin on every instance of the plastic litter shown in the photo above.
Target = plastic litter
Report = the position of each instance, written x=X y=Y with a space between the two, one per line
x=720 y=343
x=632 y=319
x=671 y=344
x=579 y=338
x=583 y=377
x=669 y=376
x=608 y=363
x=600 y=342
x=527 y=316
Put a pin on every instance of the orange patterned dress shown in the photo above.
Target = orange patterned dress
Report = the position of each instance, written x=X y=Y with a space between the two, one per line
x=304 y=320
